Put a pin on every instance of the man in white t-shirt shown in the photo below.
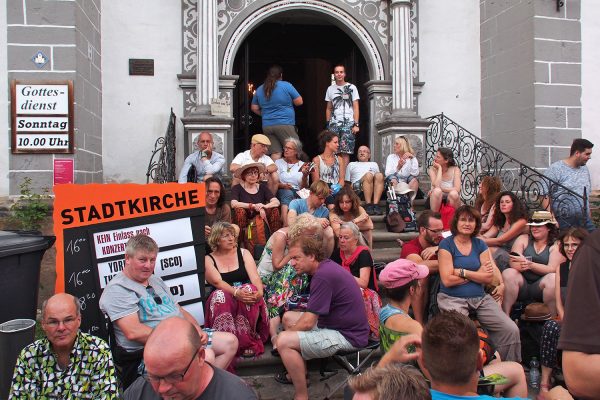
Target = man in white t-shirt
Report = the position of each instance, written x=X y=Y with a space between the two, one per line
x=365 y=177
x=258 y=153
x=341 y=112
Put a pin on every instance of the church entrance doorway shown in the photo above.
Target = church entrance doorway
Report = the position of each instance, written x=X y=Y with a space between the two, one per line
x=307 y=46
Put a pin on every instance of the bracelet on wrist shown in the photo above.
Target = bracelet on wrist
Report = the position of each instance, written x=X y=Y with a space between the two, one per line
x=235 y=292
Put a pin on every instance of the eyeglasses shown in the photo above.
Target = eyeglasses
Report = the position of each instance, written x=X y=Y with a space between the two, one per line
x=252 y=172
x=154 y=295
x=436 y=231
x=54 y=323
x=170 y=379
x=227 y=235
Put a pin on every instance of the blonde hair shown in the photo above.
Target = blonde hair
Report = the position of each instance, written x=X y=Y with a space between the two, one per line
x=393 y=382
x=305 y=224
x=140 y=242
x=217 y=231
x=404 y=144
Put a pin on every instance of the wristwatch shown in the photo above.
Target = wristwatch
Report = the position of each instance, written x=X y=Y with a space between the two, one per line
x=356 y=124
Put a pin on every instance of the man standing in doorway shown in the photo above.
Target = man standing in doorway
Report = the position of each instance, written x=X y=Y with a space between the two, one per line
x=342 y=111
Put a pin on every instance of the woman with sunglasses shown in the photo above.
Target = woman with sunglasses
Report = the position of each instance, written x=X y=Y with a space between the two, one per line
x=236 y=305
x=534 y=259
x=329 y=167
x=570 y=240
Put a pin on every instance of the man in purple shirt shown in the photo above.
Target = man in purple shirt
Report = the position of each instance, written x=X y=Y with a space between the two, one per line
x=335 y=318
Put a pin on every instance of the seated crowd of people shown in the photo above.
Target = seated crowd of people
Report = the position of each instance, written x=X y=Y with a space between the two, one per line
x=289 y=260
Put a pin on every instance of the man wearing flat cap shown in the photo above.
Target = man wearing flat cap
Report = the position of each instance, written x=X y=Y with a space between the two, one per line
x=258 y=153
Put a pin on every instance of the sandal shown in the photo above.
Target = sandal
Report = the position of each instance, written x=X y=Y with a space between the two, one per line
x=248 y=353
x=282 y=377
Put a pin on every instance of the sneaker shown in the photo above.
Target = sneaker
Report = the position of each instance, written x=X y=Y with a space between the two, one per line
x=370 y=209
x=377 y=210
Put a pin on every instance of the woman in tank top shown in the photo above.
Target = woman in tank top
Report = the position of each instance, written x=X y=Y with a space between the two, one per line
x=328 y=166
x=569 y=243
x=509 y=223
x=237 y=304
x=445 y=180
x=531 y=276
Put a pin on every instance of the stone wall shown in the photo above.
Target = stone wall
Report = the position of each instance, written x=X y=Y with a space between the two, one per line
x=531 y=78
x=68 y=35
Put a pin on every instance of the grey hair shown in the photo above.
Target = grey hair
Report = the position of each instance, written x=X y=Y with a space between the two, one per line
x=75 y=301
x=355 y=232
x=295 y=142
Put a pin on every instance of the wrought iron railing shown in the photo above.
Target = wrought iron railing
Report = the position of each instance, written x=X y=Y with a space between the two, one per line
x=477 y=159
x=161 y=168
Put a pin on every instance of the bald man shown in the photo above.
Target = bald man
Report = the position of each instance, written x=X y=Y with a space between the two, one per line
x=206 y=161
x=176 y=369
x=67 y=363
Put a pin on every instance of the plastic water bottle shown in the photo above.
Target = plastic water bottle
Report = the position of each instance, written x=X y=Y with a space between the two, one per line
x=534 y=374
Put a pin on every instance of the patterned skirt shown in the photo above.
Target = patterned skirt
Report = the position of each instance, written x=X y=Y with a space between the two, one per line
x=280 y=286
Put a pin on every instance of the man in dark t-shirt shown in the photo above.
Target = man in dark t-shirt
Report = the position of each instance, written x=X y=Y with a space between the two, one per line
x=581 y=325
x=423 y=250
x=335 y=318
x=175 y=368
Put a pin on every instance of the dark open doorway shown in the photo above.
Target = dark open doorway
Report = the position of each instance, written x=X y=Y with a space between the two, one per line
x=307 y=48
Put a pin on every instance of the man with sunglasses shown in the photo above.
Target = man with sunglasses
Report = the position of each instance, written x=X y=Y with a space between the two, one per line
x=67 y=363
x=136 y=301
x=176 y=368
x=423 y=250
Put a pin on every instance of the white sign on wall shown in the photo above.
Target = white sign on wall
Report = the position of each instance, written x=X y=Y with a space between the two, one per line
x=42 y=117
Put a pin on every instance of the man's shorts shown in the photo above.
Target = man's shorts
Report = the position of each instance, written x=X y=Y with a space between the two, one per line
x=286 y=196
x=344 y=132
x=322 y=343
x=357 y=186
x=277 y=134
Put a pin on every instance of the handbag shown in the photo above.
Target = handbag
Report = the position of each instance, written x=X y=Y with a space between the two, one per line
x=297 y=302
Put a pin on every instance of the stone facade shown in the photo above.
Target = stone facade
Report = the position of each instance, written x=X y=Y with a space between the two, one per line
x=531 y=78
x=68 y=34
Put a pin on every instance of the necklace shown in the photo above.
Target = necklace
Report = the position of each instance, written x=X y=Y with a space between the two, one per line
x=289 y=167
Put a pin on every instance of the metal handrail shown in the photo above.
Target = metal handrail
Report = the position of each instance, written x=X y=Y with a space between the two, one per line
x=477 y=158
x=162 y=170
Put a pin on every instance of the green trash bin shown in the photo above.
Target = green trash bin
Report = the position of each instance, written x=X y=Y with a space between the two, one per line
x=14 y=336
x=20 y=264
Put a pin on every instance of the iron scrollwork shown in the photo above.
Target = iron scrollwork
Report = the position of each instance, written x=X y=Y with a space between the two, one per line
x=476 y=159
x=161 y=168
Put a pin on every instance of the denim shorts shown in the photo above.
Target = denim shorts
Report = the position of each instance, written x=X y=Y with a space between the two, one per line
x=286 y=196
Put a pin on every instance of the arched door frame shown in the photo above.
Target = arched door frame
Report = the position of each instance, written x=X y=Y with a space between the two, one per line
x=370 y=48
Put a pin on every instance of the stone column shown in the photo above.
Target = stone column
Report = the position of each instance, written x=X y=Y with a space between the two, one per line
x=402 y=82
x=207 y=78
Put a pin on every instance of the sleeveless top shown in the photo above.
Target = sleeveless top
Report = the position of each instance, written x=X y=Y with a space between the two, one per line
x=449 y=184
x=507 y=245
x=329 y=174
x=238 y=276
x=387 y=336
x=265 y=264
x=542 y=258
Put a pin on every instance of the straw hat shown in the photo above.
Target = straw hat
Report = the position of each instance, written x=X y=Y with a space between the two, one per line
x=540 y=218
x=240 y=171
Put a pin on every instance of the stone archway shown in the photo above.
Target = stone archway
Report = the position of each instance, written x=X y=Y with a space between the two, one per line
x=232 y=35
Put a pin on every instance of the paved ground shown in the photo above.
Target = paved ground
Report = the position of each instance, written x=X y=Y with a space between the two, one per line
x=269 y=389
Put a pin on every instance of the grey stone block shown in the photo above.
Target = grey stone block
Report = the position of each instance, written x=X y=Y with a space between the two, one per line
x=81 y=177
x=30 y=161
x=557 y=95
x=84 y=125
x=511 y=58
x=84 y=161
x=93 y=141
x=20 y=58
x=558 y=153
x=556 y=137
x=519 y=120
x=507 y=102
x=485 y=49
x=83 y=65
x=542 y=157
x=574 y=117
x=573 y=9
x=97 y=163
x=558 y=29
x=513 y=79
x=95 y=76
x=14 y=12
x=40 y=35
x=40 y=181
x=488 y=29
x=512 y=37
x=519 y=12
x=41 y=75
x=555 y=117
x=41 y=12
x=486 y=87
x=542 y=72
x=557 y=51
x=565 y=73
x=547 y=8
x=64 y=58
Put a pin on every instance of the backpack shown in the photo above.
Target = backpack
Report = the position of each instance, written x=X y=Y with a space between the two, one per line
x=400 y=215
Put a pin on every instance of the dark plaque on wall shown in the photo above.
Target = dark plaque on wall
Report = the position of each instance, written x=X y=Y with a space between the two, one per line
x=141 y=66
